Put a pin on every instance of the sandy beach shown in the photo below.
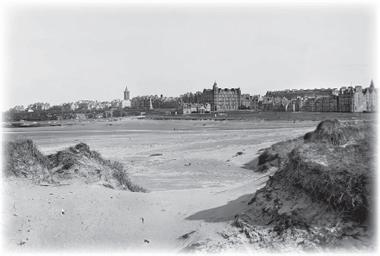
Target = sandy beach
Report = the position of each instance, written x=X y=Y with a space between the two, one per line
x=192 y=170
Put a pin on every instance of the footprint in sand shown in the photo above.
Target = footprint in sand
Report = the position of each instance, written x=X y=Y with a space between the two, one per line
x=21 y=243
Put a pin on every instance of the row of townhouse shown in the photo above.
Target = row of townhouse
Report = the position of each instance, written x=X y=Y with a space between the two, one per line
x=346 y=99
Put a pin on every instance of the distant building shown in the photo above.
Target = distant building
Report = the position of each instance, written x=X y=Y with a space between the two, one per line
x=108 y=114
x=141 y=102
x=346 y=99
x=308 y=105
x=255 y=102
x=74 y=106
x=39 y=106
x=80 y=116
x=371 y=98
x=267 y=103
x=294 y=93
x=18 y=108
x=245 y=101
x=189 y=108
x=204 y=108
x=249 y=101
x=222 y=99
x=360 y=104
x=356 y=99
x=186 y=109
x=329 y=103
x=126 y=102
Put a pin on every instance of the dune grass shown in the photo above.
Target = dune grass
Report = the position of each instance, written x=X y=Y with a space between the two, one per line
x=23 y=159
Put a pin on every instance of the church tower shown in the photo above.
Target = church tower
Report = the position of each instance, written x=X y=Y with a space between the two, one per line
x=126 y=93
x=126 y=102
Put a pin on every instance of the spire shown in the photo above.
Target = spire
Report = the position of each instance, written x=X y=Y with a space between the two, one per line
x=126 y=93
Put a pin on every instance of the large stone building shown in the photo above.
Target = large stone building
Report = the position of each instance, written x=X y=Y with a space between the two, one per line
x=222 y=99
x=357 y=99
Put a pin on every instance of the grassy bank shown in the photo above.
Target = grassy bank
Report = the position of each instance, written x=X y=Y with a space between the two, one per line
x=322 y=193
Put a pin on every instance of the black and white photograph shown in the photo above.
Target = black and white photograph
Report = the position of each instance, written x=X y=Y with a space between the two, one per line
x=189 y=128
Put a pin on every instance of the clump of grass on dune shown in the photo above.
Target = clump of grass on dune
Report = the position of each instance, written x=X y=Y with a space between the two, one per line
x=23 y=159
x=121 y=176
x=73 y=155
x=336 y=133
x=338 y=176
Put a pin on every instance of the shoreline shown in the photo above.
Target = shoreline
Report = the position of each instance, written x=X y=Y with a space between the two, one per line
x=244 y=116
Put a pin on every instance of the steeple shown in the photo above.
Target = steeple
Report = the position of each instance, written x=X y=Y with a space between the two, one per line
x=126 y=93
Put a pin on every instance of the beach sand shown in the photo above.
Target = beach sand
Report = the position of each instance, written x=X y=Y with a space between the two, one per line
x=192 y=169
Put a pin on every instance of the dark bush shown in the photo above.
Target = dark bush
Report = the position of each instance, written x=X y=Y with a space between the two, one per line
x=266 y=157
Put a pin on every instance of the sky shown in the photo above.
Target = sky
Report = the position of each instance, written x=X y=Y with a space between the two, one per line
x=62 y=54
